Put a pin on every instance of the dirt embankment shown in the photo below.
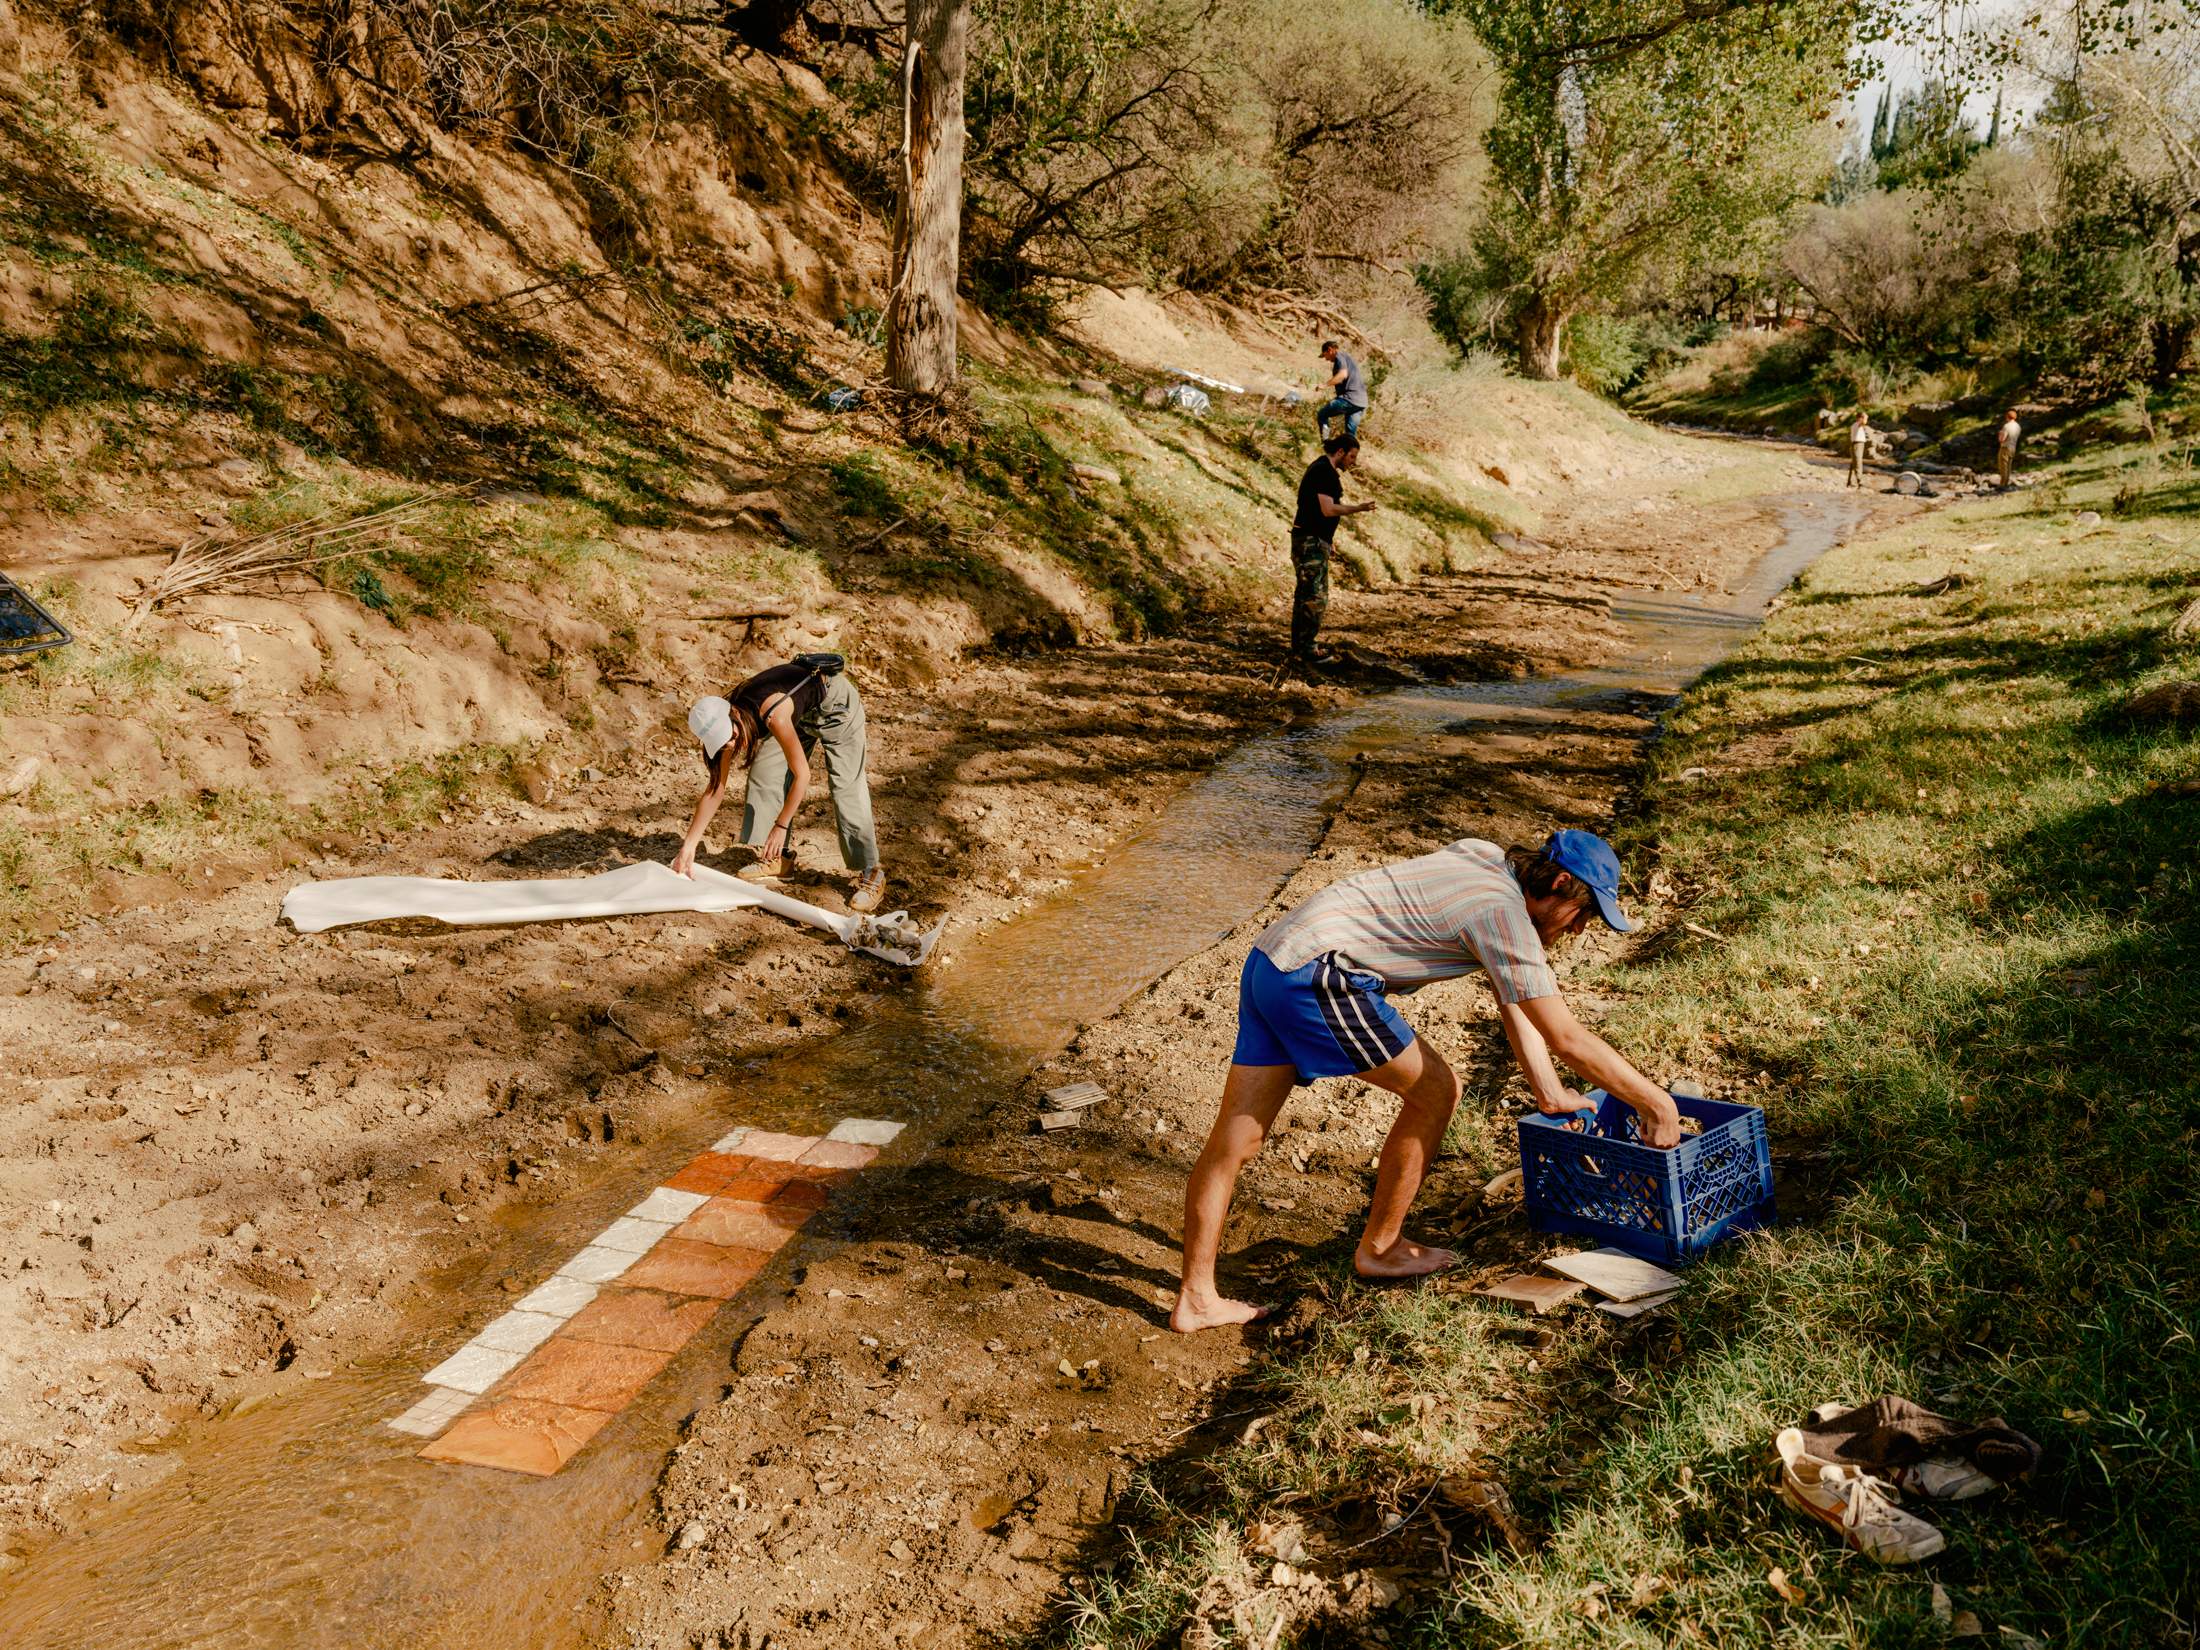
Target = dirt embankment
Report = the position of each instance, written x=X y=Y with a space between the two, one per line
x=229 y=1153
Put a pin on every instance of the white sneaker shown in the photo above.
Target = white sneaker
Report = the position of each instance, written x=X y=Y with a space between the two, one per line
x=1857 y=1506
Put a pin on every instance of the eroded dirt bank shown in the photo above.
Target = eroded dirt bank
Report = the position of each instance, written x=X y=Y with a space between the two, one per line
x=232 y=1154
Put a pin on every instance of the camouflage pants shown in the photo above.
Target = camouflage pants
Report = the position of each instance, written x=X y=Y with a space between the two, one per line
x=1310 y=598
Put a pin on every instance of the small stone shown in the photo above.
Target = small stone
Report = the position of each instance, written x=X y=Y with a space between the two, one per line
x=898 y=1550
x=416 y=1108
x=692 y=1535
x=245 y=1232
x=2086 y=518
x=1089 y=386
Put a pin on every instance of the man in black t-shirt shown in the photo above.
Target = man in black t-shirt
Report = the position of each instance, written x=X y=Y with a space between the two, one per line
x=1321 y=507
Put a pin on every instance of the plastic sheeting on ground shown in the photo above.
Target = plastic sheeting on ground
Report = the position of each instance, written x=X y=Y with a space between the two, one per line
x=631 y=890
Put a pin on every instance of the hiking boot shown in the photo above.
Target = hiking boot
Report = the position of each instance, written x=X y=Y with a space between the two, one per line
x=1855 y=1505
x=870 y=891
x=763 y=870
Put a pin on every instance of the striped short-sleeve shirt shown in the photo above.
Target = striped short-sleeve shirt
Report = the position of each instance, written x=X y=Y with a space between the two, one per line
x=1421 y=920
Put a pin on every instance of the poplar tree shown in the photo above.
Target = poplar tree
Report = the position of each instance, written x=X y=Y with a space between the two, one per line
x=1605 y=163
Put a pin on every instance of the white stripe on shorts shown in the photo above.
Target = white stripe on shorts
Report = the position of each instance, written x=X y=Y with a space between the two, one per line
x=1349 y=1022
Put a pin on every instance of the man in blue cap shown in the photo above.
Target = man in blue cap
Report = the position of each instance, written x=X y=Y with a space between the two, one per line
x=1313 y=1002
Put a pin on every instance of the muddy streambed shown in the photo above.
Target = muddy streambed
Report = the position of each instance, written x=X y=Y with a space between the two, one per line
x=307 y=1522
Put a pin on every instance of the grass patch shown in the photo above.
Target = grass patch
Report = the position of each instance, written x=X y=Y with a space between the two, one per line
x=1956 y=882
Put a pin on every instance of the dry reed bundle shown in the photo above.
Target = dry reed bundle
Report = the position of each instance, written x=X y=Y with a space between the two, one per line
x=208 y=563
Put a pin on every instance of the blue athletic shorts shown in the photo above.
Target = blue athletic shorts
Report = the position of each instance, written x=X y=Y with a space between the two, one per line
x=1324 y=1020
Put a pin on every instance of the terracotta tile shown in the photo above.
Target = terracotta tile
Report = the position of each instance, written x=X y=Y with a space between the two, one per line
x=823 y=1172
x=710 y=1172
x=801 y=1194
x=744 y=1225
x=584 y=1374
x=839 y=1154
x=519 y=1435
x=780 y=1147
x=642 y=1317
x=681 y=1267
x=758 y=1187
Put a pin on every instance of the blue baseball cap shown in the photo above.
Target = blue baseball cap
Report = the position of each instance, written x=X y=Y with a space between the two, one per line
x=1590 y=858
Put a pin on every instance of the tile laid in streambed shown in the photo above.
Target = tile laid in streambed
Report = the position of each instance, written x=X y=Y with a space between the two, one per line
x=744 y=1225
x=758 y=1187
x=681 y=1267
x=779 y=1147
x=472 y=1368
x=838 y=1154
x=710 y=1172
x=642 y=1317
x=596 y=1264
x=632 y=1234
x=584 y=1374
x=796 y=1194
x=518 y=1331
x=666 y=1203
x=559 y=1298
x=864 y=1131
x=432 y=1414
x=519 y=1435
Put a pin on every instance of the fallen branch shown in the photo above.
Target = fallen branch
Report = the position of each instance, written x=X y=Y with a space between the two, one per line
x=204 y=564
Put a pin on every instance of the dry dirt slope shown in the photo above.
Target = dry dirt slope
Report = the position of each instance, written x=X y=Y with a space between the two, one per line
x=234 y=295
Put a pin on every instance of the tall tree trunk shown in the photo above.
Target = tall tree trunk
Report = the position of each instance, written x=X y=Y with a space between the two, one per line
x=920 y=317
x=1541 y=325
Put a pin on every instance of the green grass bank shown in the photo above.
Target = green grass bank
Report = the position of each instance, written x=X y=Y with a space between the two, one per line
x=1953 y=873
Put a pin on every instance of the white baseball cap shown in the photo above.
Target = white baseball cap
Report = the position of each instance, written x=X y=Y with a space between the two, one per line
x=711 y=721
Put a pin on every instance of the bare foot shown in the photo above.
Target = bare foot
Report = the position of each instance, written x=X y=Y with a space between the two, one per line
x=1403 y=1259
x=1190 y=1316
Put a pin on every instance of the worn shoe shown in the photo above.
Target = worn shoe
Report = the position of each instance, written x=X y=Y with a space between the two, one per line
x=870 y=891
x=1857 y=1506
x=1936 y=1478
x=763 y=870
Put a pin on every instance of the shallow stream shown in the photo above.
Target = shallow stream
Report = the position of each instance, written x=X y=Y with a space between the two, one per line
x=307 y=1523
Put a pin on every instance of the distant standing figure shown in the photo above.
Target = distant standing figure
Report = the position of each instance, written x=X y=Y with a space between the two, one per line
x=771 y=722
x=2005 y=446
x=1860 y=438
x=1313 y=532
x=1348 y=392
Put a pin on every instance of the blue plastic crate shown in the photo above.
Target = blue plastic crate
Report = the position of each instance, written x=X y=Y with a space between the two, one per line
x=1663 y=1206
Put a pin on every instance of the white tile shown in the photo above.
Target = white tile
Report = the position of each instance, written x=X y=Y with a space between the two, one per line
x=731 y=1142
x=473 y=1368
x=596 y=1264
x=433 y=1413
x=632 y=1235
x=559 y=1298
x=667 y=1206
x=1616 y=1273
x=864 y=1131
x=518 y=1331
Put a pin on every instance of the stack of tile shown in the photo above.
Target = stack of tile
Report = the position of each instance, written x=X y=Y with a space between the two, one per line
x=1629 y=1286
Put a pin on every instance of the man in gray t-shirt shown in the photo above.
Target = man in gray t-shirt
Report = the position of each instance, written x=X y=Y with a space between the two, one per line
x=1348 y=391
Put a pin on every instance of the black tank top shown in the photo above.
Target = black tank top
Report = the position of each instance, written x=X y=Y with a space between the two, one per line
x=760 y=692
